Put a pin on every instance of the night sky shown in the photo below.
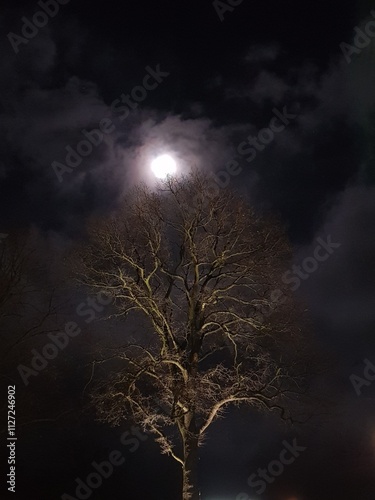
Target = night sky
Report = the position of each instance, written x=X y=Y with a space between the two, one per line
x=203 y=77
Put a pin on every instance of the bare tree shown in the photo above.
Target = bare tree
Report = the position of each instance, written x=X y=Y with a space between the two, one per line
x=27 y=307
x=201 y=281
x=30 y=309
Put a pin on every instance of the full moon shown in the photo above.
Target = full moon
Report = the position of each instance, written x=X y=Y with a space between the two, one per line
x=163 y=166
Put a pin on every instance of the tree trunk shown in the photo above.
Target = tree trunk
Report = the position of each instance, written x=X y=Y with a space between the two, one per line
x=190 y=487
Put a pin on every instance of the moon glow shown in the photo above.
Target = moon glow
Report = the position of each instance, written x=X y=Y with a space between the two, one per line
x=163 y=166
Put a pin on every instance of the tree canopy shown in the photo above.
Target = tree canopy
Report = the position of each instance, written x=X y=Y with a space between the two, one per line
x=216 y=328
